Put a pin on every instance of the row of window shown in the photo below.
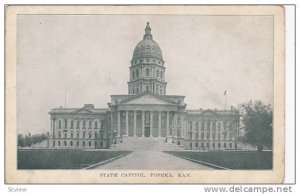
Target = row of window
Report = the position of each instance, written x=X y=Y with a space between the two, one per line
x=75 y=143
x=77 y=135
x=155 y=88
x=78 y=124
x=208 y=125
x=213 y=136
x=213 y=145
x=136 y=73
x=148 y=61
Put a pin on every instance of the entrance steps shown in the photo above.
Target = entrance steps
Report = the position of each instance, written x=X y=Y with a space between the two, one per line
x=145 y=143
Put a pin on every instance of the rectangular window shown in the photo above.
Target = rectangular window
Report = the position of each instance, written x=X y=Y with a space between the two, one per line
x=59 y=134
x=83 y=134
x=72 y=135
x=90 y=143
x=224 y=145
x=83 y=143
x=101 y=143
x=53 y=144
x=72 y=124
x=59 y=124
x=65 y=143
x=66 y=123
x=66 y=135
x=71 y=143
x=77 y=143
x=90 y=124
x=102 y=124
x=58 y=143
x=207 y=145
x=96 y=124
x=77 y=134
x=83 y=124
x=90 y=135
x=78 y=125
x=95 y=134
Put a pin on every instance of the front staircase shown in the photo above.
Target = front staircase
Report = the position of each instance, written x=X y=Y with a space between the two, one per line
x=145 y=143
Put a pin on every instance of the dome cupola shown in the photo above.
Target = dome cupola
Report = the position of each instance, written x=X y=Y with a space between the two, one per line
x=147 y=48
x=147 y=70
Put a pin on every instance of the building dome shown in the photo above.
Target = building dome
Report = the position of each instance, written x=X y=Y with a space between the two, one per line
x=147 y=48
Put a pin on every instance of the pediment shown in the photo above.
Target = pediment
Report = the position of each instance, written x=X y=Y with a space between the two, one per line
x=148 y=99
x=83 y=111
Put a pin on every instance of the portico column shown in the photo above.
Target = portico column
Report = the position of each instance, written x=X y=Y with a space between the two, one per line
x=51 y=128
x=143 y=123
x=211 y=130
x=151 y=123
x=175 y=125
x=134 y=123
x=54 y=128
x=159 y=124
x=119 y=124
x=168 y=127
x=126 y=122
x=182 y=124
x=111 y=122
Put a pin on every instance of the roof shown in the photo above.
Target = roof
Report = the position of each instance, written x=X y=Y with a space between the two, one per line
x=222 y=112
x=83 y=110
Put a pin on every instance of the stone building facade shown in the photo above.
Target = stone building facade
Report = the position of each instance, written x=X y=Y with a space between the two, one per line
x=145 y=112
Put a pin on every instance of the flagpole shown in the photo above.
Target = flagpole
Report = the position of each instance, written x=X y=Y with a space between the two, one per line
x=65 y=98
x=226 y=101
x=225 y=94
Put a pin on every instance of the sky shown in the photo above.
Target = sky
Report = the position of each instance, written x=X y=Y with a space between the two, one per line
x=89 y=57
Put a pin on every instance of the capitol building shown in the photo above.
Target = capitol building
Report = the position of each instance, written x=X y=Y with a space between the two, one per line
x=146 y=112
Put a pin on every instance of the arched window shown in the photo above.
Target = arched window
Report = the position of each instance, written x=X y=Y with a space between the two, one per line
x=147 y=72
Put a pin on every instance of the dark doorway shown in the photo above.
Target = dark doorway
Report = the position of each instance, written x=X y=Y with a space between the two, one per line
x=147 y=131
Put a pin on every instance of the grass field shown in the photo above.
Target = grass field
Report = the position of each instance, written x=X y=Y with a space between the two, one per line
x=233 y=159
x=62 y=159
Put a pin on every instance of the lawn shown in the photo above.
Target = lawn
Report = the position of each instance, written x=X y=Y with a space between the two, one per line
x=62 y=159
x=233 y=159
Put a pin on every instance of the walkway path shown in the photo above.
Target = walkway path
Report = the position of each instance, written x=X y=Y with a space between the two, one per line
x=152 y=160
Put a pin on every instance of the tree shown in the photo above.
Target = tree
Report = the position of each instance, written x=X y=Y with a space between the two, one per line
x=257 y=119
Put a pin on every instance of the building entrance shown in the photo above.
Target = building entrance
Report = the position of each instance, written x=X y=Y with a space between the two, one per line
x=147 y=131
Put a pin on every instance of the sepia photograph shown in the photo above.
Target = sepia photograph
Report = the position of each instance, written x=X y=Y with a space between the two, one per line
x=145 y=94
